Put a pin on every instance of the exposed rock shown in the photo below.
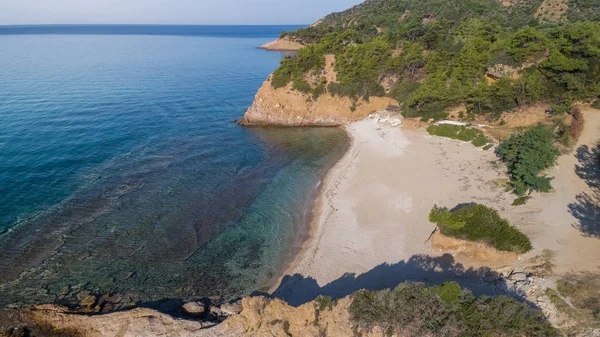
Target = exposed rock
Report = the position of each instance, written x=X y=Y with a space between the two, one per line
x=287 y=107
x=505 y=272
x=194 y=309
x=498 y=71
x=388 y=82
x=264 y=317
x=552 y=11
x=518 y=276
x=133 y=323
x=282 y=44
x=216 y=311
x=232 y=308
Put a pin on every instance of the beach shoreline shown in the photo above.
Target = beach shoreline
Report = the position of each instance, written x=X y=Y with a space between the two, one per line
x=373 y=204
x=307 y=238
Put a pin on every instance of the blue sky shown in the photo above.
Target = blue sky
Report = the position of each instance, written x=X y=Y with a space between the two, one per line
x=14 y=12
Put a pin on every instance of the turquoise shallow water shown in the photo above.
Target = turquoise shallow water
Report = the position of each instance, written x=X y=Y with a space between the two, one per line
x=121 y=171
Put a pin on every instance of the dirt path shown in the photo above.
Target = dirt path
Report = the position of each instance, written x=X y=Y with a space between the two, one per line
x=568 y=219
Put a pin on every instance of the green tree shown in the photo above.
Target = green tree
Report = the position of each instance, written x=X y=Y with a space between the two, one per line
x=526 y=42
x=526 y=155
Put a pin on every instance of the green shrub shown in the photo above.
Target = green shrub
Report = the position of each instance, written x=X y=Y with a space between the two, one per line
x=320 y=88
x=463 y=133
x=324 y=302
x=281 y=78
x=596 y=104
x=448 y=292
x=417 y=310
x=443 y=217
x=344 y=90
x=526 y=155
x=487 y=147
x=302 y=86
x=433 y=115
x=480 y=223
x=561 y=109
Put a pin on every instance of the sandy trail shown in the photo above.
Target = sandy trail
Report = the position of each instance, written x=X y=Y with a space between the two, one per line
x=374 y=206
x=558 y=220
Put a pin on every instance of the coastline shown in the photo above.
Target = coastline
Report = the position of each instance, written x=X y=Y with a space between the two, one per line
x=313 y=207
x=307 y=238
x=370 y=219
x=280 y=44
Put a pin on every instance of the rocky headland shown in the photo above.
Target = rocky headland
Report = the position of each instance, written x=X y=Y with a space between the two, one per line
x=288 y=107
x=282 y=44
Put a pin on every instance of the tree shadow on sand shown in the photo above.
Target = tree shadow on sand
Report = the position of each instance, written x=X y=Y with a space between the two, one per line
x=586 y=208
x=297 y=290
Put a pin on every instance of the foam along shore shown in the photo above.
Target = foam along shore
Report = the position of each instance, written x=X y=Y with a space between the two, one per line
x=374 y=205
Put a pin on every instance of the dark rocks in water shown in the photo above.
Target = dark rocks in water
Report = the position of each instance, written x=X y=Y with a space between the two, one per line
x=88 y=301
x=234 y=121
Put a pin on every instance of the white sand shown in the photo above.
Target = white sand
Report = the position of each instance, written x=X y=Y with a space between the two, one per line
x=375 y=202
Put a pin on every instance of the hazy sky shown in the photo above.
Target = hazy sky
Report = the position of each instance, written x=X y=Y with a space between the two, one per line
x=168 y=11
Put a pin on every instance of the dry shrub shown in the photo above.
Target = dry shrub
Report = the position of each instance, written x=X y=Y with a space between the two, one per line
x=577 y=124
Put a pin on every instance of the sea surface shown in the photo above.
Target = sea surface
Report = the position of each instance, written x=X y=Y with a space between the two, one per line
x=121 y=170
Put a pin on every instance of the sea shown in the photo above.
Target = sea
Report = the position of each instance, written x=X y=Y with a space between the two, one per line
x=122 y=170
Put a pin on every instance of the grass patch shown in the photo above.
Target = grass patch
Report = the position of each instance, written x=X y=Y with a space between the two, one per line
x=413 y=309
x=480 y=223
x=463 y=133
x=487 y=147
x=435 y=116
x=583 y=291
x=559 y=303
x=521 y=200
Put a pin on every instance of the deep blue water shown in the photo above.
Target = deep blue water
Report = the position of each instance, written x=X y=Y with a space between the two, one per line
x=121 y=169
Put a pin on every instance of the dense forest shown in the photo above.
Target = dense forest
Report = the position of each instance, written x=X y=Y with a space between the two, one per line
x=433 y=54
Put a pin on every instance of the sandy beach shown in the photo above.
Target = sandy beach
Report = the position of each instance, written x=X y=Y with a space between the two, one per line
x=372 y=213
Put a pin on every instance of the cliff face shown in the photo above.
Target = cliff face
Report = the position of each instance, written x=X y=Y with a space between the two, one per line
x=472 y=253
x=260 y=317
x=288 y=107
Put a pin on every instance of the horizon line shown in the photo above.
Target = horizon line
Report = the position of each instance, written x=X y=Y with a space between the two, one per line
x=146 y=24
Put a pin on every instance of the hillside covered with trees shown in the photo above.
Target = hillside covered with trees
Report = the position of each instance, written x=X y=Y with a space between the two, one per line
x=430 y=55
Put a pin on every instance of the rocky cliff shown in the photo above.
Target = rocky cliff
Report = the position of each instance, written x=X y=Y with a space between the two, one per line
x=288 y=107
x=260 y=317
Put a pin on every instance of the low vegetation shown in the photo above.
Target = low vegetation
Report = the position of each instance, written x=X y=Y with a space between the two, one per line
x=417 y=310
x=480 y=223
x=576 y=127
x=466 y=134
x=526 y=155
x=583 y=293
